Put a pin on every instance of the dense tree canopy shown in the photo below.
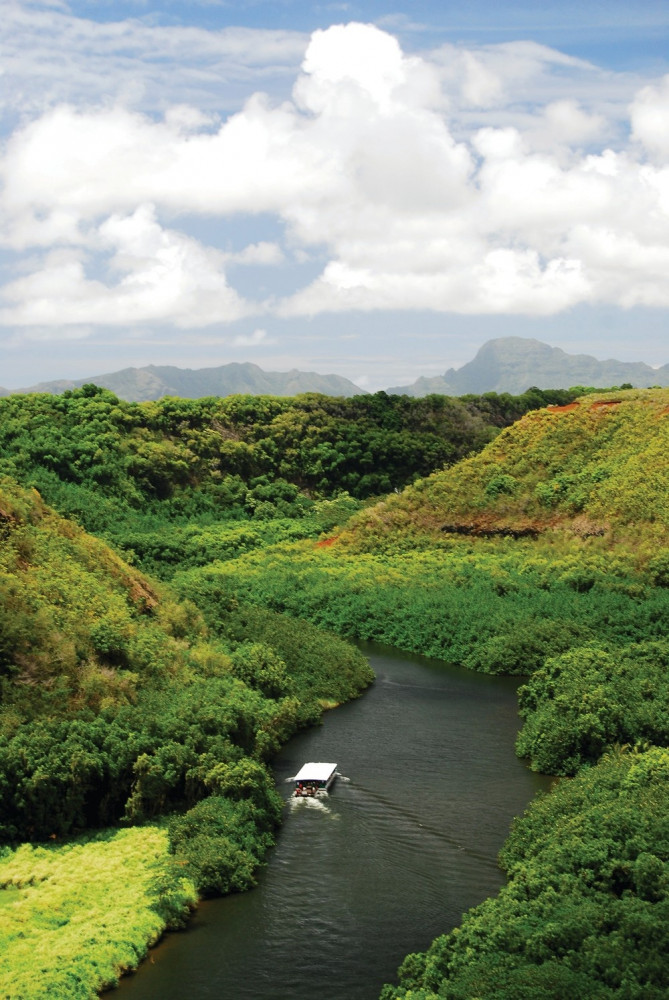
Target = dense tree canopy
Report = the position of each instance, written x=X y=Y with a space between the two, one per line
x=586 y=909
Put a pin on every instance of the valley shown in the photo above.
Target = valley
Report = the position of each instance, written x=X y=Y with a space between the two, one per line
x=180 y=584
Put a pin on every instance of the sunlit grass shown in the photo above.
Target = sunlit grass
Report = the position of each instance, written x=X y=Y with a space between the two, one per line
x=74 y=917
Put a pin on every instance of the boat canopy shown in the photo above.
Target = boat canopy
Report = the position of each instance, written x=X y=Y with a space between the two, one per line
x=315 y=771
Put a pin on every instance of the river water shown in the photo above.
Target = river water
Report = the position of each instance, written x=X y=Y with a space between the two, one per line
x=405 y=842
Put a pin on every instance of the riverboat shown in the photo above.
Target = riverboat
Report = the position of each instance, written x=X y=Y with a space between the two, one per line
x=314 y=777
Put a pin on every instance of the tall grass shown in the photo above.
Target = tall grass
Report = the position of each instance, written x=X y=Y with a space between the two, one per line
x=74 y=917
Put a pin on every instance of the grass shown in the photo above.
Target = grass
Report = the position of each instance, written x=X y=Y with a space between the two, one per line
x=74 y=917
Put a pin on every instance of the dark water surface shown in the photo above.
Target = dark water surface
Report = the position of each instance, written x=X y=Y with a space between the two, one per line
x=405 y=842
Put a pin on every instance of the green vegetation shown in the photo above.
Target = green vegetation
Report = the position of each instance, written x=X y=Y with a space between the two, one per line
x=125 y=470
x=117 y=700
x=543 y=554
x=499 y=606
x=595 y=467
x=578 y=704
x=120 y=705
x=586 y=909
x=73 y=918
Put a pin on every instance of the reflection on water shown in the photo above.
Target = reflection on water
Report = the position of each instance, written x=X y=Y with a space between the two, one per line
x=391 y=857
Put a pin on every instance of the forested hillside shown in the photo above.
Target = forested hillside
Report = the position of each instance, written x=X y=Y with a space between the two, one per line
x=119 y=705
x=269 y=468
x=101 y=666
x=226 y=449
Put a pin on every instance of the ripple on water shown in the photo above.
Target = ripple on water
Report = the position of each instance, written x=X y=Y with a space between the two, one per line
x=406 y=841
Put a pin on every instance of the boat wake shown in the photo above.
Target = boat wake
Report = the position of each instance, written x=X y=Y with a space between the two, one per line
x=311 y=802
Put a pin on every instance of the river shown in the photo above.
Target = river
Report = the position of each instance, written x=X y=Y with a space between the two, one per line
x=405 y=842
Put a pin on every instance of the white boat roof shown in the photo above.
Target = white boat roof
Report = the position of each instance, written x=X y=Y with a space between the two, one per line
x=315 y=771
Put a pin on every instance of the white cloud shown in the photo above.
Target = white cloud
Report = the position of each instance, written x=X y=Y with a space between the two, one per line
x=346 y=63
x=373 y=164
x=50 y=56
x=163 y=276
x=650 y=118
x=264 y=253
x=491 y=75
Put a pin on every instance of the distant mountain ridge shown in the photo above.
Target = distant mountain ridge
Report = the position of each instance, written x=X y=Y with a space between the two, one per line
x=155 y=381
x=514 y=364
x=506 y=364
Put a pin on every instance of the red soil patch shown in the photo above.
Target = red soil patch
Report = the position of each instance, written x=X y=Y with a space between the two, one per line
x=563 y=409
x=142 y=596
x=325 y=542
x=598 y=404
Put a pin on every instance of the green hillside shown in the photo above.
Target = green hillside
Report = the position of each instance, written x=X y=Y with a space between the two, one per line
x=107 y=678
x=80 y=628
x=176 y=483
x=119 y=706
x=230 y=449
x=595 y=466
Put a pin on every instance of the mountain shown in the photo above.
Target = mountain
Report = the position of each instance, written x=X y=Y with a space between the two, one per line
x=514 y=364
x=156 y=381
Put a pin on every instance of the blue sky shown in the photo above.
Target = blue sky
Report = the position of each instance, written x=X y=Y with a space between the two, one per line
x=360 y=188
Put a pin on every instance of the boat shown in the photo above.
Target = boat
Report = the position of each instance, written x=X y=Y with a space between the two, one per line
x=314 y=777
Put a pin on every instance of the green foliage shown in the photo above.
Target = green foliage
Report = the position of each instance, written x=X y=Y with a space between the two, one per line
x=323 y=668
x=104 y=461
x=74 y=917
x=260 y=667
x=222 y=839
x=78 y=625
x=582 y=702
x=500 y=606
x=501 y=483
x=117 y=703
x=140 y=761
x=586 y=467
x=585 y=910
x=658 y=568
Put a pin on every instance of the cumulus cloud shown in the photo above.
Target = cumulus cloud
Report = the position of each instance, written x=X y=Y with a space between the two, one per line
x=418 y=180
x=650 y=118
x=162 y=276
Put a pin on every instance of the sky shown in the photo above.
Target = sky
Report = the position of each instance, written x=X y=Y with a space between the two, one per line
x=369 y=189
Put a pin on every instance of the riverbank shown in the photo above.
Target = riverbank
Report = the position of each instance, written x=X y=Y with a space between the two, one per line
x=585 y=911
x=75 y=917
x=407 y=840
